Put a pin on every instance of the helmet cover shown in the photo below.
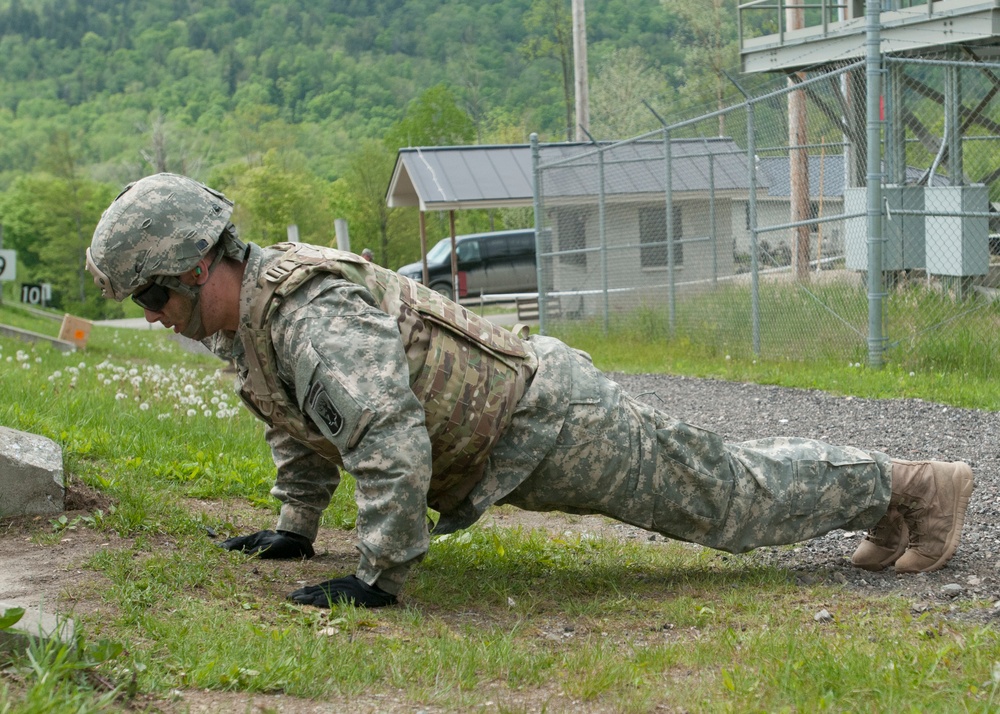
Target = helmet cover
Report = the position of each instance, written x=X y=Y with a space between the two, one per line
x=161 y=225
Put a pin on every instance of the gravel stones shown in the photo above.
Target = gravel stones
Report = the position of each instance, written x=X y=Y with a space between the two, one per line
x=910 y=429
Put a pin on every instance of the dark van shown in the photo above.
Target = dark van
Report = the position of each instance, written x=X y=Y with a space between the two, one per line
x=488 y=263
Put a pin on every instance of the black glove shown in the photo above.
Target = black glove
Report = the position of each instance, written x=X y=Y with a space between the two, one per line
x=271 y=544
x=348 y=589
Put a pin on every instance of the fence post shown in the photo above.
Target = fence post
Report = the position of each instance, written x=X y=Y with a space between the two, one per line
x=752 y=210
x=669 y=189
x=604 y=237
x=536 y=173
x=953 y=120
x=873 y=75
x=711 y=213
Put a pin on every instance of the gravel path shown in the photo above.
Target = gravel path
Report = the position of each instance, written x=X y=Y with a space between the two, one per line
x=903 y=428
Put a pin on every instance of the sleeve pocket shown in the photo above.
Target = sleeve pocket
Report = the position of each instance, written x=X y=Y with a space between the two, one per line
x=339 y=414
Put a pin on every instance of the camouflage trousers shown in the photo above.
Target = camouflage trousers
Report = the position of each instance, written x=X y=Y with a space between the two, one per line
x=624 y=459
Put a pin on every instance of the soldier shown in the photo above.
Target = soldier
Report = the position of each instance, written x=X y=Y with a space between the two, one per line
x=427 y=405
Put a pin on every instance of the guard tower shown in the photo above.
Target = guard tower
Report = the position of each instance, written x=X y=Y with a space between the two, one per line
x=793 y=36
x=834 y=31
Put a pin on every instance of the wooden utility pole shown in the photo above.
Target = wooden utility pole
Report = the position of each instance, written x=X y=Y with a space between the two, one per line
x=798 y=158
x=580 y=64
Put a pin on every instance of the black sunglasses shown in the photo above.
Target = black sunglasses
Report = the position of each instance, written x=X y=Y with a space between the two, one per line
x=152 y=297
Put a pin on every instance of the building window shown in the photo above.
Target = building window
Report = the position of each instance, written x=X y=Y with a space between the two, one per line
x=572 y=236
x=653 y=237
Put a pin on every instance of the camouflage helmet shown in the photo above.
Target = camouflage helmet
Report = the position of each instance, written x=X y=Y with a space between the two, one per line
x=159 y=226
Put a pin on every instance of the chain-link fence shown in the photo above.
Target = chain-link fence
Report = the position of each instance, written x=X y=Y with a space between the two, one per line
x=745 y=231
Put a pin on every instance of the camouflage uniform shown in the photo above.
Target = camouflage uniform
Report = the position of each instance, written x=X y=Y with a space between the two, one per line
x=564 y=436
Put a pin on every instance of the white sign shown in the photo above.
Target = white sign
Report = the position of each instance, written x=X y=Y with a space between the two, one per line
x=36 y=294
x=31 y=294
x=8 y=264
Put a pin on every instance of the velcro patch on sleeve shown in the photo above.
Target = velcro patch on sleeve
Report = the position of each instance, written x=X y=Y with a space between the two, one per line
x=321 y=408
x=340 y=417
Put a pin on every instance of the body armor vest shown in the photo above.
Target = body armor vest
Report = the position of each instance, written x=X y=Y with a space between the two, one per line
x=467 y=372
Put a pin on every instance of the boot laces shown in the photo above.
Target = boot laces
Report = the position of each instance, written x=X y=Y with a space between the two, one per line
x=883 y=532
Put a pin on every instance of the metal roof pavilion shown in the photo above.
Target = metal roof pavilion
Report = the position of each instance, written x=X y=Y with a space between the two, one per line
x=443 y=178
x=455 y=177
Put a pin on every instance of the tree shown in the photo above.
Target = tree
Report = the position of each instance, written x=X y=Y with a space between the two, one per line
x=271 y=197
x=360 y=198
x=550 y=35
x=620 y=85
x=432 y=119
x=711 y=26
x=49 y=220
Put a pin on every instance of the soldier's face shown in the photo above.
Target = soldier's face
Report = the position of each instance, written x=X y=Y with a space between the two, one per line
x=175 y=313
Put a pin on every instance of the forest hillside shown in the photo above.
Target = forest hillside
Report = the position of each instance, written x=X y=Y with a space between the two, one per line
x=295 y=108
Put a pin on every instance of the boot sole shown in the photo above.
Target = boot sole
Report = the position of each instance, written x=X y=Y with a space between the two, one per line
x=962 y=473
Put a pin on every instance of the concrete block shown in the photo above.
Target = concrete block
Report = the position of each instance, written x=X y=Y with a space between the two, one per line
x=35 y=624
x=31 y=474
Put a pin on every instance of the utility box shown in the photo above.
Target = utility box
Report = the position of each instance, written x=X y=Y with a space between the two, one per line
x=957 y=245
x=903 y=235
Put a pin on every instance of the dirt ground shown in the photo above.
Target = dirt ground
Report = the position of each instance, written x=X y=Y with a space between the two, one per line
x=47 y=568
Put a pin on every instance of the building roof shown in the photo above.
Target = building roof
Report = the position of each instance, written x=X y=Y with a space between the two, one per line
x=454 y=177
x=636 y=168
x=442 y=178
x=825 y=173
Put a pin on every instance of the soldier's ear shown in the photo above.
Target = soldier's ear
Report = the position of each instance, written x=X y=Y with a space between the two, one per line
x=200 y=272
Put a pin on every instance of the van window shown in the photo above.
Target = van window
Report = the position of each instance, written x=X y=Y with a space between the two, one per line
x=440 y=252
x=522 y=245
x=468 y=251
x=494 y=248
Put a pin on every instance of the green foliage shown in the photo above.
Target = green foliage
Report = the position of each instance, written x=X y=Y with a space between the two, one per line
x=294 y=109
x=620 y=85
x=107 y=70
x=11 y=616
x=271 y=198
x=392 y=233
x=550 y=36
x=49 y=219
x=433 y=119
x=61 y=673
x=710 y=28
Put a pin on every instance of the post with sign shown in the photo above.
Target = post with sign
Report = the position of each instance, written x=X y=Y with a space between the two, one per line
x=8 y=268
x=8 y=263
x=33 y=294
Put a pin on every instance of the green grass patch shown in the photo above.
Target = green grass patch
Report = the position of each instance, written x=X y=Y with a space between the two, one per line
x=941 y=349
x=506 y=618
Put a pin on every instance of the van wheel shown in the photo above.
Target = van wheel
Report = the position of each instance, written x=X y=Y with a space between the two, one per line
x=442 y=288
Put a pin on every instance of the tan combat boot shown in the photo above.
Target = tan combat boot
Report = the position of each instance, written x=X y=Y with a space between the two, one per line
x=884 y=543
x=932 y=497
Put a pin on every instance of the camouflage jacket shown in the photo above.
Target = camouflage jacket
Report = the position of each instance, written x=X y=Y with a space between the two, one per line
x=376 y=374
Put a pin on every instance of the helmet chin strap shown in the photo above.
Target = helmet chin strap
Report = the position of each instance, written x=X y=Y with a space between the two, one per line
x=194 y=329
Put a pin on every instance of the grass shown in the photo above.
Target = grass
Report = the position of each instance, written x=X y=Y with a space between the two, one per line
x=940 y=349
x=502 y=618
